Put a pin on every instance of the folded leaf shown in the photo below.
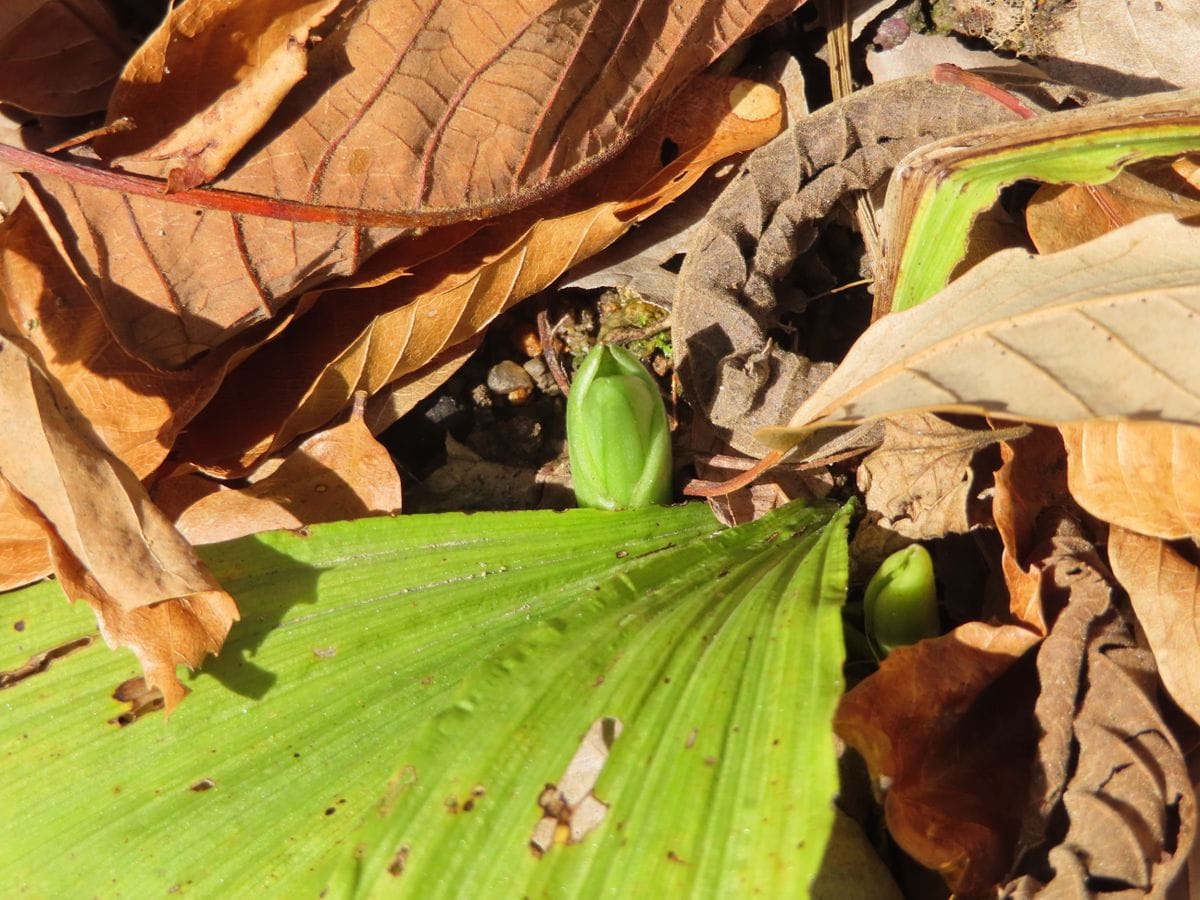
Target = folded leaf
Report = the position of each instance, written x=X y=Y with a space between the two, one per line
x=109 y=544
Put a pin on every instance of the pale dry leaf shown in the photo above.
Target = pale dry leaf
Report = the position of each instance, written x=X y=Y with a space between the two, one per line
x=1105 y=329
x=725 y=303
x=1164 y=588
x=919 y=478
x=226 y=66
x=364 y=339
x=1140 y=475
x=919 y=53
x=1120 y=47
x=61 y=57
x=337 y=474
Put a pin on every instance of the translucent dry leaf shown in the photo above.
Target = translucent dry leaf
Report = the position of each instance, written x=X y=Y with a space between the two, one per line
x=1164 y=588
x=1138 y=475
x=1105 y=329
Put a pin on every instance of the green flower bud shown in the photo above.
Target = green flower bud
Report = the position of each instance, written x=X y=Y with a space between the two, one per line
x=901 y=601
x=617 y=433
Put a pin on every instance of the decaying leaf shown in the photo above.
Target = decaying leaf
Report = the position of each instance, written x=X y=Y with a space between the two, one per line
x=109 y=544
x=1104 y=329
x=919 y=479
x=1141 y=475
x=946 y=727
x=1163 y=583
x=724 y=319
x=1112 y=812
x=61 y=57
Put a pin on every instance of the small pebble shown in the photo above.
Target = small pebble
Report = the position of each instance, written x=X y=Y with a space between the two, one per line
x=507 y=376
x=480 y=396
x=536 y=367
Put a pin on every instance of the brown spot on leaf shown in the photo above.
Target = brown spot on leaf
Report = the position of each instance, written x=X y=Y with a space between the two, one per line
x=142 y=700
x=40 y=662
x=204 y=784
x=399 y=861
x=19 y=625
x=674 y=857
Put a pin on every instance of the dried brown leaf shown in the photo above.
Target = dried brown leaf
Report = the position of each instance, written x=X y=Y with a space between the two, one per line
x=134 y=409
x=1164 y=588
x=61 y=57
x=364 y=339
x=1031 y=479
x=341 y=473
x=1105 y=329
x=1139 y=475
x=946 y=723
x=1060 y=216
x=428 y=113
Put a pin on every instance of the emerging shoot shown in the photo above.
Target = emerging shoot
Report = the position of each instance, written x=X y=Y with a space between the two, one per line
x=901 y=601
x=617 y=433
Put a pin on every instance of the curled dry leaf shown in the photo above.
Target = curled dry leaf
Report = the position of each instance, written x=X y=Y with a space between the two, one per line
x=1138 y=475
x=1104 y=329
x=341 y=473
x=425 y=113
x=61 y=57
x=1112 y=803
x=109 y=544
x=364 y=339
x=724 y=305
x=1163 y=584
x=1032 y=478
x=947 y=725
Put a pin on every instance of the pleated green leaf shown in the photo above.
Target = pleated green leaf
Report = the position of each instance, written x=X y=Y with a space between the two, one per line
x=510 y=634
x=715 y=669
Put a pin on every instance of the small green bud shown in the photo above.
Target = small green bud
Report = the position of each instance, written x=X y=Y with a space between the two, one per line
x=901 y=601
x=617 y=433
